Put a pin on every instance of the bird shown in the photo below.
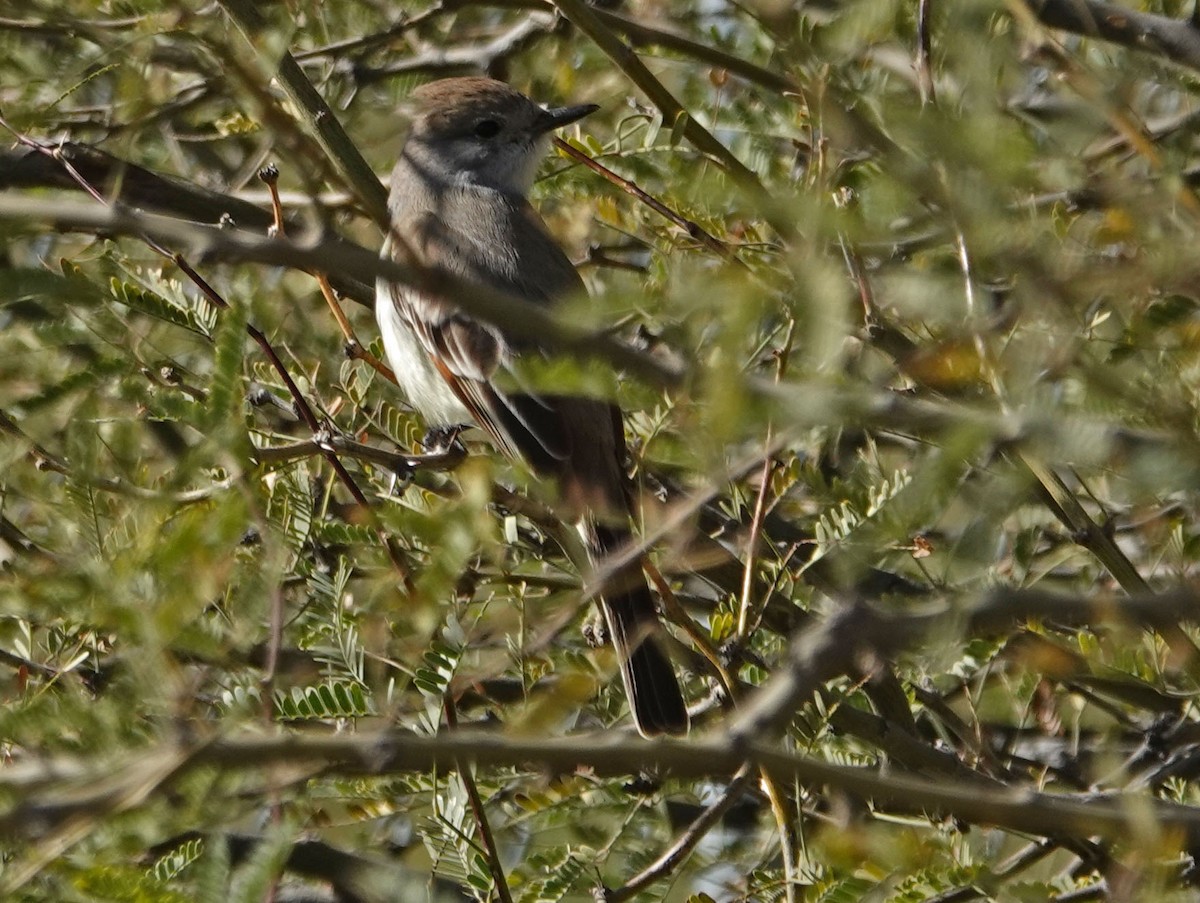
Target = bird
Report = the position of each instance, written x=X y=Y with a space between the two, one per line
x=458 y=202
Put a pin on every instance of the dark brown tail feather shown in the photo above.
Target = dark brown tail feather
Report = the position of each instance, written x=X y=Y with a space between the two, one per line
x=650 y=682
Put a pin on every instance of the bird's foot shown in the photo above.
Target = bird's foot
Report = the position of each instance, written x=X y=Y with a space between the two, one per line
x=442 y=439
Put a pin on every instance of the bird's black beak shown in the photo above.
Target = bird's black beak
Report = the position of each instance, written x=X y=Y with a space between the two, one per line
x=556 y=118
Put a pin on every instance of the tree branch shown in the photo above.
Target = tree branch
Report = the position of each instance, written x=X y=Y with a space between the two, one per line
x=520 y=317
x=318 y=117
x=671 y=109
x=1172 y=39
x=395 y=751
x=125 y=183
x=468 y=57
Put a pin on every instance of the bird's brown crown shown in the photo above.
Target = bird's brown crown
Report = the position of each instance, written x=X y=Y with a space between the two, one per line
x=451 y=104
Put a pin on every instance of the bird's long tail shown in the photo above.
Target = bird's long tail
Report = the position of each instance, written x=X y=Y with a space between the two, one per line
x=650 y=681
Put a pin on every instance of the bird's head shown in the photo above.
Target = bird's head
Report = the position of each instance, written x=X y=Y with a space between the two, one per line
x=482 y=131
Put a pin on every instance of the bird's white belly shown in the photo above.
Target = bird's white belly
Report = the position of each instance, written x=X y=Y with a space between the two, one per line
x=419 y=379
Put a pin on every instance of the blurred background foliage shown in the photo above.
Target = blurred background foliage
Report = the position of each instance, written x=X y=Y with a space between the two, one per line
x=946 y=340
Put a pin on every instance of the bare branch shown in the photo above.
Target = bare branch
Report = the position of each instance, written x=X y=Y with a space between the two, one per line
x=465 y=58
x=1172 y=39
x=394 y=752
x=125 y=183
x=337 y=257
x=671 y=109
x=319 y=118
x=684 y=844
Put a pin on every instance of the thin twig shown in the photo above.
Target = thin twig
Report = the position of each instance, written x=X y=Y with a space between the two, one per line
x=677 y=853
x=364 y=43
x=643 y=34
x=924 y=60
x=396 y=462
x=769 y=466
x=44 y=459
x=355 y=349
x=269 y=175
x=783 y=810
x=693 y=229
x=306 y=413
x=678 y=615
x=673 y=112
x=487 y=839
x=745 y=604
x=469 y=57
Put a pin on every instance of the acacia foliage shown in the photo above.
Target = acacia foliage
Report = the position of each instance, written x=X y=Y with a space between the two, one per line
x=938 y=336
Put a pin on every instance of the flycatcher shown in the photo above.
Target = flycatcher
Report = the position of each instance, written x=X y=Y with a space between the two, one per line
x=459 y=203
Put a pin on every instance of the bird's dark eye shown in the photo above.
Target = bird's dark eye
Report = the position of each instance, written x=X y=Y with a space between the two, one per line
x=487 y=128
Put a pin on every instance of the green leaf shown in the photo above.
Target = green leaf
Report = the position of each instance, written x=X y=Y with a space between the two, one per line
x=226 y=392
x=155 y=305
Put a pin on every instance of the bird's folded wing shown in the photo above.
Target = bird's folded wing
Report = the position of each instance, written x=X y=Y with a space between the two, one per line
x=468 y=353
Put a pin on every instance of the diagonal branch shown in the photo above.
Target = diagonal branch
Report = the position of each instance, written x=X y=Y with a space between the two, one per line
x=582 y=16
x=1176 y=40
x=684 y=844
x=318 y=117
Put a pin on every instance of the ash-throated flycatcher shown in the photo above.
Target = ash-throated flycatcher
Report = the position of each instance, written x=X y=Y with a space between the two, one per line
x=458 y=202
